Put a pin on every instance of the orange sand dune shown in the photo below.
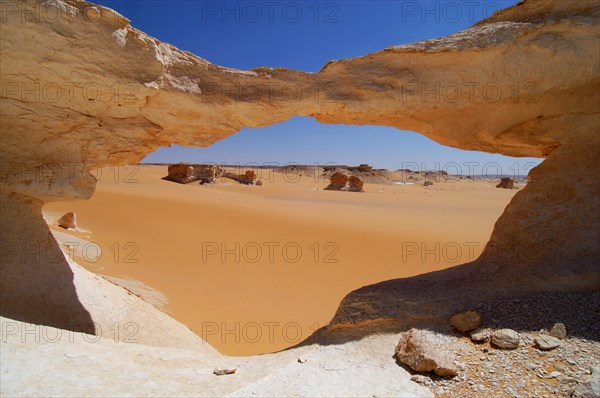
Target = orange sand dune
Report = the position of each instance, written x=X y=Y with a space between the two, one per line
x=257 y=269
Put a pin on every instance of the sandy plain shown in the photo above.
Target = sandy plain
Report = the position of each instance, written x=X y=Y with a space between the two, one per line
x=256 y=269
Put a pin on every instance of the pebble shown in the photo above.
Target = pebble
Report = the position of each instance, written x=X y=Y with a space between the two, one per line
x=420 y=379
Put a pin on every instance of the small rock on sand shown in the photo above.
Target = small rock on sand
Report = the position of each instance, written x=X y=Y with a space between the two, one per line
x=480 y=335
x=506 y=339
x=221 y=372
x=545 y=342
x=69 y=220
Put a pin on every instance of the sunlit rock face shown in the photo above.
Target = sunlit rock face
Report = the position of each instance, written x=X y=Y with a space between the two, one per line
x=82 y=89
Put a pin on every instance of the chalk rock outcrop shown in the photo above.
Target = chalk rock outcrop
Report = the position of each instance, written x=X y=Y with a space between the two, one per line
x=524 y=82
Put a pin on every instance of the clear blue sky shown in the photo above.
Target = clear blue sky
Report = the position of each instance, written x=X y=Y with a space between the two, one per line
x=304 y=35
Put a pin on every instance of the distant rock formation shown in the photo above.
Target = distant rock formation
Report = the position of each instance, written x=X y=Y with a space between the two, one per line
x=355 y=184
x=364 y=168
x=207 y=174
x=69 y=220
x=338 y=182
x=341 y=182
x=506 y=182
x=248 y=178
x=183 y=173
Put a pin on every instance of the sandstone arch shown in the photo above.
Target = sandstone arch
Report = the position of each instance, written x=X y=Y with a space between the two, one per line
x=84 y=89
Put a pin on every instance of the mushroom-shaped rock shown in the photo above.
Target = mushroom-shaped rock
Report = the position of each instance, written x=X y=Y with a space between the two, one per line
x=355 y=184
x=337 y=181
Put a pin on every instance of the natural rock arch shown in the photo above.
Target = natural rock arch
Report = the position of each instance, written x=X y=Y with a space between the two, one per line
x=523 y=82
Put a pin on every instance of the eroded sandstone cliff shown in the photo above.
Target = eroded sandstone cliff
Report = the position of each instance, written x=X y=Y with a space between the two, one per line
x=84 y=89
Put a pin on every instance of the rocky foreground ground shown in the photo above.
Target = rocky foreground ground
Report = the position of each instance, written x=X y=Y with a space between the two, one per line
x=527 y=368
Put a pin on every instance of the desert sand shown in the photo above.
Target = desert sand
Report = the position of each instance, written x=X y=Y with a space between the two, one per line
x=256 y=269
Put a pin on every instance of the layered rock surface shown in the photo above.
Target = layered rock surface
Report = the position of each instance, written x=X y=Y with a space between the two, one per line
x=523 y=82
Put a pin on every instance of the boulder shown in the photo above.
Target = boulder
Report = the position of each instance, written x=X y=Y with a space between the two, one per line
x=364 y=168
x=506 y=339
x=418 y=350
x=68 y=220
x=466 y=321
x=507 y=183
x=427 y=183
x=355 y=184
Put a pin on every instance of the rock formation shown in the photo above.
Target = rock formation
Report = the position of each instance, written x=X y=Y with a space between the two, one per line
x=523 y=82
x=248 y=178
x=182 y=173
x=337 y=182
x=207 y=174
x=355 y=184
